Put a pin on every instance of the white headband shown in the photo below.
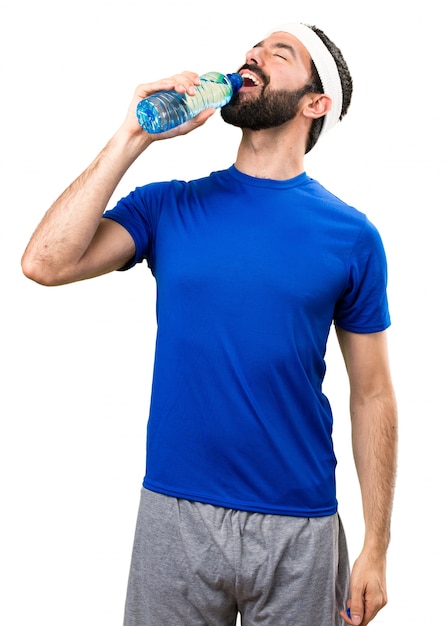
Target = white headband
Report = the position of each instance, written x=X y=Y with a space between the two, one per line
x=325 y=64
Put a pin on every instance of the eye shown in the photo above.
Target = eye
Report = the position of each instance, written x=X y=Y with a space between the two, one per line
x=280 y=56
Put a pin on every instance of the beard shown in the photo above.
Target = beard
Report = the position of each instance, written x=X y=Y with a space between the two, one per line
x=269 y=109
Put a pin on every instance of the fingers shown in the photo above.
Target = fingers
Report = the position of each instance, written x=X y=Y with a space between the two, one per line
x=367 y=590
x=186 y=82
x=183 y=83
x=356 y=610
x=362 y=608
x=188 y=126
x=353 y=615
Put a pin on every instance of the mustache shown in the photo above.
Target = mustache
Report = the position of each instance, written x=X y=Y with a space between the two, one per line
x=255 y=70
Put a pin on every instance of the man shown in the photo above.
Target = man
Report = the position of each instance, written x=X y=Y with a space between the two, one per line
x=238 y=509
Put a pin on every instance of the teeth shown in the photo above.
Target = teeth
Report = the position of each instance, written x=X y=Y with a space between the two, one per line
x=252 y=78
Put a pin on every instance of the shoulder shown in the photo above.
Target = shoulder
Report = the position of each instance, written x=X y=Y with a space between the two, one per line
x=325 y=198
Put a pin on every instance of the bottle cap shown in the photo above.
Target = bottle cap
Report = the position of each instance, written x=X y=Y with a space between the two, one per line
x=236 y=81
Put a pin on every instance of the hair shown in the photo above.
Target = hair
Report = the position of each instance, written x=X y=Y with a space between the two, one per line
x=316 y=86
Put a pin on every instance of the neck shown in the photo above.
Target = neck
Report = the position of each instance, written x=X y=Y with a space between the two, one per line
x=271 y=153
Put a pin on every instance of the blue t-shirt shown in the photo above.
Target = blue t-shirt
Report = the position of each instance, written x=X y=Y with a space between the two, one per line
x=250 y=275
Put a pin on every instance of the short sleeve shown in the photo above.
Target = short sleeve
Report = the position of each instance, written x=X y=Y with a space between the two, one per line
x=363 y=306
x=134 y=213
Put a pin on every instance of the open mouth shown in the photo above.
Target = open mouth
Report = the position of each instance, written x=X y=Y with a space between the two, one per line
x=250 y=80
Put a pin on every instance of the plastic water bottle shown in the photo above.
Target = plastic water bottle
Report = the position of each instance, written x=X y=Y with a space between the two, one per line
x=167 y=109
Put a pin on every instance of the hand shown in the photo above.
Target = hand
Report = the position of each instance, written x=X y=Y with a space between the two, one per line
x=185 y=82
x=368 y=590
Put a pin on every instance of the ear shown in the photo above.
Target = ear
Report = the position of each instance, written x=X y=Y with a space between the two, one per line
x=318 y=104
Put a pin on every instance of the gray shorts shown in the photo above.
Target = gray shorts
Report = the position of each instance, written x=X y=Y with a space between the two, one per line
x=196 y=564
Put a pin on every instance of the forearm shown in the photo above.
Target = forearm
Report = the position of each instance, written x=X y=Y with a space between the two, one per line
x=68 y=227
x=374 y=433
x=71 y=242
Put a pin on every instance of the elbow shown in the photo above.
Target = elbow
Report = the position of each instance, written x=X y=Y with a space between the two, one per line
x=37 y=272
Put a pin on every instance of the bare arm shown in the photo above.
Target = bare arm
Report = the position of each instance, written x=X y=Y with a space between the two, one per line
x=73 y=242
x=374 y=440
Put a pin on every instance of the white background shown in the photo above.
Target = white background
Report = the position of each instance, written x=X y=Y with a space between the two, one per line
x=77 y=360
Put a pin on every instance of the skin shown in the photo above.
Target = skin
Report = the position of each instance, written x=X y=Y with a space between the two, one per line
x=73 y=242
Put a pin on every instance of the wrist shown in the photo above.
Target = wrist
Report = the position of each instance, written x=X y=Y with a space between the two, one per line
x=376 y=546
x=126 y=145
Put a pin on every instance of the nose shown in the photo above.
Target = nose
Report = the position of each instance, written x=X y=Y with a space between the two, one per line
x=254 y=56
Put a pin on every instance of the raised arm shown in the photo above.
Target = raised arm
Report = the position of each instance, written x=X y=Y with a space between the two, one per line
x=374 y=440
x=73 y=242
